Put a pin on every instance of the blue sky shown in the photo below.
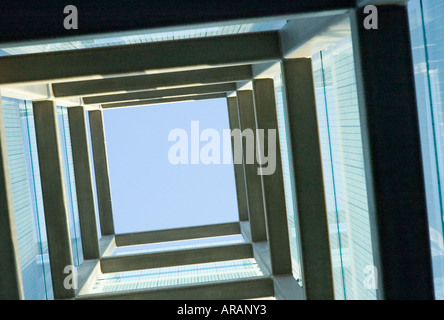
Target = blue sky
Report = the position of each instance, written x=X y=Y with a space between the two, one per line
x=150 y=193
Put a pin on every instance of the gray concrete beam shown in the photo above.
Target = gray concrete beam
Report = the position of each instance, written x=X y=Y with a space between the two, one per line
x=163 y=100
x=11 y=287
x=152 y=81
x=285 y=286
x=239 y=168
x=250 y=288
x=272 y=180
x=84 y=184
x=206 y=231
x=299 y=32
x=101 y=172
x=166 y=93
x=176 y=258
x=256 y=207
x=244 y=48
x=53 y=190
x=362 y=3
x=311 y=216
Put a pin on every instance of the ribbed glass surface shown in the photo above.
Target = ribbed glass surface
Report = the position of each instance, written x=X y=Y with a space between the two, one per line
x=426 y=27
x=173 y=276
x=27 y=199
x=70 y=186
x=179 y=245
x=343 y=169
x=288 y=178
x=147 y=38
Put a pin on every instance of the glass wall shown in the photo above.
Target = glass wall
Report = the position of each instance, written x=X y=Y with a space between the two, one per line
x=343 y=170
x=288 y=177
x=428 y=45
x=178 y=275
x=27 y=199
x=70 y=186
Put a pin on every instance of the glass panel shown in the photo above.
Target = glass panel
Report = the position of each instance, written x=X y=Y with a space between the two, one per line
x=427 y=45
x=180 y=275
x=343 y=167
x=27 y=199
x=146 y=38
x=288 y=178
x=70 y=187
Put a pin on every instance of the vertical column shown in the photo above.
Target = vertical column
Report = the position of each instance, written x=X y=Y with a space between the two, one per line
x=392 y=154
x=101 y=172
x=308 y=177
x=272 y=178
x=84 y=185
x=239 y=168
x=256 y=206
x=10 y=275
x=53 y=190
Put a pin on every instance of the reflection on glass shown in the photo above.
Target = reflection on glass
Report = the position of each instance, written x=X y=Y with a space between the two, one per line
x=343 y=169
x=288 y=178
x=147 y=38
x=180 y=275
x=427 y=46
x=27 y=199
x=70 y=186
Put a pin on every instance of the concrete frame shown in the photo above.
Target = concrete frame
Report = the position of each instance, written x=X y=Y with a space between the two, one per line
x=101 y=172
x=165 y=93
x=365 y=45
x=239 y=169
x=189 y=53
x=83 y=180
x=248 y=288
x=54 y=196
x=163 y=100
x=272 y=184
x=157 y=81
x=206 y=231
x=176 y=258
x=256 y=207
x=311 y=212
